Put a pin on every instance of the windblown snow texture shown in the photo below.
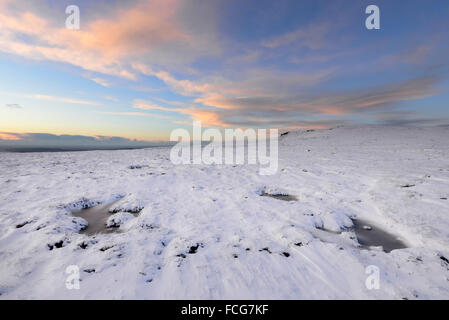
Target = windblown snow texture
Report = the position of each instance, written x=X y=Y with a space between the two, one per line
x=205 y=231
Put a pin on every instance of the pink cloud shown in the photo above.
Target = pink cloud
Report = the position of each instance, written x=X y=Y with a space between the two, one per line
x=149 y=30
x=10 y=136
x=207 y=117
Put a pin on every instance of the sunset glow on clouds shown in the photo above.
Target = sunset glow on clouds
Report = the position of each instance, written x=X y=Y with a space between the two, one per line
x=139 y=69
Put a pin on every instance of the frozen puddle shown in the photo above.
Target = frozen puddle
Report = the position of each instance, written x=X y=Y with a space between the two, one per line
x=96 y=218
x=372 y=236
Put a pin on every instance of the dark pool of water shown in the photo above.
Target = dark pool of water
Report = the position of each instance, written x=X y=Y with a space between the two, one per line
x=96 y=218
x=370 y=235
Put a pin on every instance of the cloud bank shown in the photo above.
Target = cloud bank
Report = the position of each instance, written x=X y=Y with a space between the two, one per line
x=45 y=141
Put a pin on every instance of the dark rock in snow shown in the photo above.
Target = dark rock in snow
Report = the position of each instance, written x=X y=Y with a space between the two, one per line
x=20 y=225
x=193 y=249
x=83 y=245
x=89 y=270
x=58 y=244
x=135 y=166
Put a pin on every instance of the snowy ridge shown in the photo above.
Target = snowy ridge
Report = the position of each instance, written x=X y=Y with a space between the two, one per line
x=198 y=231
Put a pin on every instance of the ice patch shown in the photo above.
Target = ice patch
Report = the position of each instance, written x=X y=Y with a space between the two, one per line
x=373 y=236
x=92 y=220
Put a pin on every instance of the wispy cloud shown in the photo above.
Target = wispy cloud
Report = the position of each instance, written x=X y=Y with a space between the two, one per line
x=312 y=37
x=111 y=98
x=62 y=99
x=134 y=114
x=13 y=106
x=207 y=117
x=291 y=109
x=101 y=81
x=148 y=105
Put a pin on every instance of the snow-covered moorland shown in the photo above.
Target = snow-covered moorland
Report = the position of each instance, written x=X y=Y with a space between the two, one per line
x=201 y=231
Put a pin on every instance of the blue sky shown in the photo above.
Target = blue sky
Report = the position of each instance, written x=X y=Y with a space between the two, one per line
x=139 y=69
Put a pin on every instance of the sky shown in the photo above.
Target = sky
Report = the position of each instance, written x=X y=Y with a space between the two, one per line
x=136 y=70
